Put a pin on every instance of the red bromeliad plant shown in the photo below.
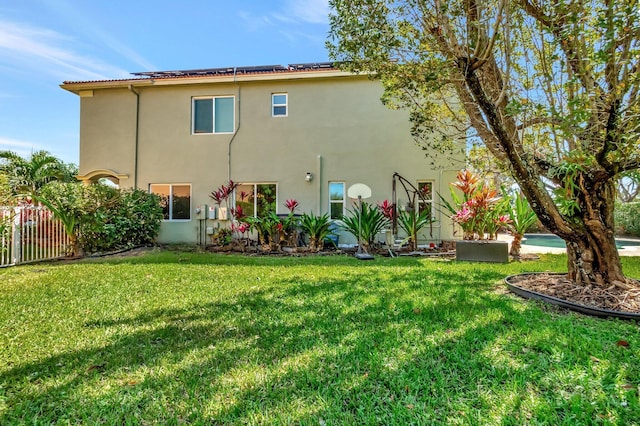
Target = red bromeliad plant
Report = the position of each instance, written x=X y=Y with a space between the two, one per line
x=288 y=225
x=481 y=211
x=238 y=213
x=291 y=205
x=387 y=208
x=224 y=193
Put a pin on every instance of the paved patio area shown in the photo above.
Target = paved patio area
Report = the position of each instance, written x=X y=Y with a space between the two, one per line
x=624 y=251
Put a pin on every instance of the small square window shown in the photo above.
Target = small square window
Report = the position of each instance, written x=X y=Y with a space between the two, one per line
x=279 y=103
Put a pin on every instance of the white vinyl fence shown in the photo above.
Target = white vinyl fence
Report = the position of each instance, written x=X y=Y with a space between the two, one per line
x=30 y=234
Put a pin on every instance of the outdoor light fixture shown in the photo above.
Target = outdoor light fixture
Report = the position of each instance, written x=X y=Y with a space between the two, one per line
x=308 y=177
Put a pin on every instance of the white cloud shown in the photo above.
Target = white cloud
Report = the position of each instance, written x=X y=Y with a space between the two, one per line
x=87 y=26
x=312 y=11
x=294 y=12
x=22 y=148
x=45 y=51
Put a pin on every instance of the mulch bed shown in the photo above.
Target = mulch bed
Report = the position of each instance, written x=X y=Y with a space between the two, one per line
x=612 y=298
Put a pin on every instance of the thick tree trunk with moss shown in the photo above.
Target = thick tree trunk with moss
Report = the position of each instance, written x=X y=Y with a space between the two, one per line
x=592 y=253
x=589 y=231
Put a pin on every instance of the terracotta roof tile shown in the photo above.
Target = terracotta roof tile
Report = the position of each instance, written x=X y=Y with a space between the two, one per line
x=228 y=71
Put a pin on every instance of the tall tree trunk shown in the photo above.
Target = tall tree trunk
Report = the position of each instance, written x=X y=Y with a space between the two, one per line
x=595 y=264
x=592 y=254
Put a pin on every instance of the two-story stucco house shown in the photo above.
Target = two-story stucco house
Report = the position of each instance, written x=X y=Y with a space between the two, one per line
x=304 y=131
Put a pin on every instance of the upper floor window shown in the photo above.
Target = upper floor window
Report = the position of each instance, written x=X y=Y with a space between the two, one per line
x=213 y=115
x=175 y=200
x=336 y=200
x=257 y=199
x=425 y=199
x=279 y=107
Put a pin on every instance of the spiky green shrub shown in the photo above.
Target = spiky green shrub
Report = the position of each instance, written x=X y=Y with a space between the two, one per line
x=318 y=228
x=364 y=223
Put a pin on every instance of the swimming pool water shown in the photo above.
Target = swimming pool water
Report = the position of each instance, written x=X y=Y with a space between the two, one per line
x=557 y=242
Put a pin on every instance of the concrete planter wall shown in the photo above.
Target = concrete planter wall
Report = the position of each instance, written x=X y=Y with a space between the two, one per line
x=482 y=251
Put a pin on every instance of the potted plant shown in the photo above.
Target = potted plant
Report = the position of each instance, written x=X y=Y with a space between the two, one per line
x=481 y=212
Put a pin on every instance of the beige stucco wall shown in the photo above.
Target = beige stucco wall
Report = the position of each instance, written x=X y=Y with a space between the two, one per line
x=336 y=128
x=107 y=132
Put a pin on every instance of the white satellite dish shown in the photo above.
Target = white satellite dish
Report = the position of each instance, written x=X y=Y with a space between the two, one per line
x=359 y=190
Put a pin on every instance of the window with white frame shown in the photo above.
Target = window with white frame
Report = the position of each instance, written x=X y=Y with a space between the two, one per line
x=336 y=200
x=425 y=197
x=212 y=115
x=257 y=199
x=175 y=200
x=279 y=104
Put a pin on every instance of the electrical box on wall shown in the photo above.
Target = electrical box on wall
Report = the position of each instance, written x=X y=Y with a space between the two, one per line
x=222 y=213
x=201 y=211
x=209 y=230
x=212 y=212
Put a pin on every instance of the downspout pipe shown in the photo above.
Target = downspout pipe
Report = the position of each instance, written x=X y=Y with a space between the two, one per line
x=135 y=154
x=237 y=128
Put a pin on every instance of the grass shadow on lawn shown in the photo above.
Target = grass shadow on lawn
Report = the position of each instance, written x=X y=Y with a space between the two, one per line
x=391 y=343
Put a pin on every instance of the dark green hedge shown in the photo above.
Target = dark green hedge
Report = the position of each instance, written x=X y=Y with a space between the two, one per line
x=131 y=218
x=627 y=217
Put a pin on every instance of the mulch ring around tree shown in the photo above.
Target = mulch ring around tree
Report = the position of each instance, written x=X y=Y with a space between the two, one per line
x=557 y=286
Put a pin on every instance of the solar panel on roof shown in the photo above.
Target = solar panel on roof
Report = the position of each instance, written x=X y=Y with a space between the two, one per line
x=236 y=70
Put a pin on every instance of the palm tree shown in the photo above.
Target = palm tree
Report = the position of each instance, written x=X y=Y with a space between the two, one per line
x=27 y=176
x=522 y=217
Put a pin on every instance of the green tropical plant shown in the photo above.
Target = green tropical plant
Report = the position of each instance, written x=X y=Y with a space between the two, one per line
x=522 y=217
x=411 y=222
x=131 y=218
x=364 y=222
x=6 y=217
x=480 y=211
x=318 y=228
x=28 y=176
x=628 y=219
x=71 y=204
x=100 y=218
x=290 y=223
x=267 y=228
x=6 y=194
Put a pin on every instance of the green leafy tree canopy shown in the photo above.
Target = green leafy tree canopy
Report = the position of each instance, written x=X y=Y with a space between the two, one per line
x=549 y=88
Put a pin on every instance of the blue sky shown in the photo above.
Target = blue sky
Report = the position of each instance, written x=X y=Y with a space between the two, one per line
x=46 y=42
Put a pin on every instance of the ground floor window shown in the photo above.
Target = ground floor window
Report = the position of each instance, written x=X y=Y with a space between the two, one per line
x=336 y=199
x=175 y=200
x=425 y=197
x=257 y=199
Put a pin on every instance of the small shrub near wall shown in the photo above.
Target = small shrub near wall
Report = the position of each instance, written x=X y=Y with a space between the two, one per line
x=627 y=218
x=100 y=218
x=132 y=218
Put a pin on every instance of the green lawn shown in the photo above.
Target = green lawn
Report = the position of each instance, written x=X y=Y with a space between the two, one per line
x=174 y=338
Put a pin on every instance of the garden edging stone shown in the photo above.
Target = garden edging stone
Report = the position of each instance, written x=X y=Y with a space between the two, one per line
x=576 y=307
